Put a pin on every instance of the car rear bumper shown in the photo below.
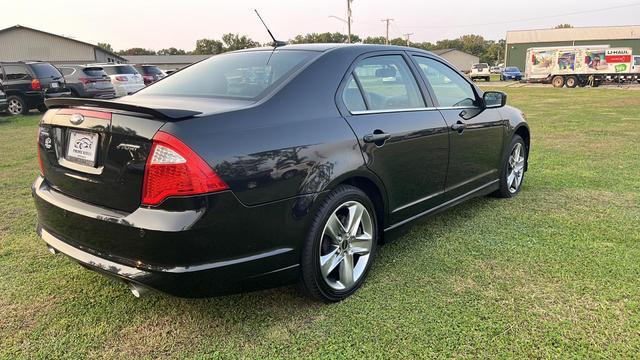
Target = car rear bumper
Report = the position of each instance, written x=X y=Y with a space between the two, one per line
x=182 y=253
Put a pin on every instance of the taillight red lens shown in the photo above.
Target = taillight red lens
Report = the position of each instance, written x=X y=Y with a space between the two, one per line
x=35 y=84
x=173 y=169
x=39 y=155
x=121 y=78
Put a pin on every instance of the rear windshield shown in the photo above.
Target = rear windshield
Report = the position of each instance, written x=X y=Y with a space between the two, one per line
x=45 y=70
x=243 y=75
x=151 y=70
x=94 y=71
x=480 y=66
x=120 y=69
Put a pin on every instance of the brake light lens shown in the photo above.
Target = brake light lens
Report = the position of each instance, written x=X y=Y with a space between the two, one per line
x=121 y=78
x=86 y=80
x=173 y=169
x=35 y=84
x=39 y=153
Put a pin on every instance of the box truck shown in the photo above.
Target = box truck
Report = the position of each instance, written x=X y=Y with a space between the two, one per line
x=581 y=65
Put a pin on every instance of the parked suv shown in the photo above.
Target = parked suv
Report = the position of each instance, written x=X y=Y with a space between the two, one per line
x=88 y=81
x=125 y=78
x=480 y=71
x=28 y=84
x=150 y=73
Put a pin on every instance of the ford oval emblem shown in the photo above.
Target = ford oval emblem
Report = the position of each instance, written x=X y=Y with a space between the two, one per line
x=76 y=119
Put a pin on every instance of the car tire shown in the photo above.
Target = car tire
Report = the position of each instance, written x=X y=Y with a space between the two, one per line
x=42 y=108
x=336 y=257
x=16 y=105
x=513 y=169
x=557 y=81
x=571 y=82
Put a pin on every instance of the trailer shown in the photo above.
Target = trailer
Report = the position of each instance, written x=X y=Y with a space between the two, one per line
x=581 y=65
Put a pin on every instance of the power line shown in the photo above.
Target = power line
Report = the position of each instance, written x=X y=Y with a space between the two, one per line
x=387 y=20
x=525 y=19
x=408 y=36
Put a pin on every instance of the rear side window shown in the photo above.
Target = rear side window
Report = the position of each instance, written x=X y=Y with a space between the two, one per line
x=352 y=96
x=45 y=70
x=388 y=84
x=449 y=87
x=16 y=72
x=67 y=71
x=120 y=70
x=243 y=75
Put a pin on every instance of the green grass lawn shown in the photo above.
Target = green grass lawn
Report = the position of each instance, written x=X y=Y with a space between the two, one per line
x=554 y=272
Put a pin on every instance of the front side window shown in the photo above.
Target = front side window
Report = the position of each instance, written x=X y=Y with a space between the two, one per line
x=388 y=84
x=242 y=75
x=449 y=87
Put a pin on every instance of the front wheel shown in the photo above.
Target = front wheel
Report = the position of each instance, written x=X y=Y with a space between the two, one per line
x=340 y=246
x=17 y=105
x=513 y=168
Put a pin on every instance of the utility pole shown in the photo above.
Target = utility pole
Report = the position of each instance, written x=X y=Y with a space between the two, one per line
x=407 y=36
x=349 y=20
x=387 y=20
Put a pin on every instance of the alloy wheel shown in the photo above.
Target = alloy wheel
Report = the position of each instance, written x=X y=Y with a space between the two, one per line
x=515 y=171
x=15 y=107
x=346 y=245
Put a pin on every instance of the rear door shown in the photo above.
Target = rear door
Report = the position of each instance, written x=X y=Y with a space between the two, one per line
x=403 y=138
x=476 y=134
x=51 y=80
x=17 y=79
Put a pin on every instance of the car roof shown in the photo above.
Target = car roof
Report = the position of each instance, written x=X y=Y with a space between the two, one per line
x=322 y=47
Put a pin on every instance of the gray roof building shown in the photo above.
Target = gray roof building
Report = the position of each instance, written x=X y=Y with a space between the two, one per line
x=21 y=43
x=459 y=59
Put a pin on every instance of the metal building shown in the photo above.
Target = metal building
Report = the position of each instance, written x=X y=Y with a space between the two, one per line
x=615 y=36
x=21 y=43
x=457 y=58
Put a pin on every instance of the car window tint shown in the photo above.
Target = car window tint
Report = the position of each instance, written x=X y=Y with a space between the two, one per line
x=120 y=69
x=94 y=71
x=66 y=71
x=16 y=72
x=151 y=70
x=352 y=96
x=243 y=75
x=388 y=83
x=449 y=87
x=45 y=70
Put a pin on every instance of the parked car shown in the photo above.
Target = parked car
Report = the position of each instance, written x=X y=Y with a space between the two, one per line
x=28 y=84
x=511 y=73
x=496 y=69
x=125 y=78
x=150 y=73
x=3 y=99
x=480 y=71
x=88 y=81
x=193 y=196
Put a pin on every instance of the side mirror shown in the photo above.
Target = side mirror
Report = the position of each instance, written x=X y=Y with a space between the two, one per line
x=494 y=99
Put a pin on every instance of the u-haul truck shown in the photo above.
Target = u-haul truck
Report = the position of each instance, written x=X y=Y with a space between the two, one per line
x=581 y=65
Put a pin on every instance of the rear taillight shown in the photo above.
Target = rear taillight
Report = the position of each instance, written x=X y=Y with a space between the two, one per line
x=148 y=79
x=86 y=80
x=173 y=169
x=39 y=154
x=121 y=78
x=35 y=84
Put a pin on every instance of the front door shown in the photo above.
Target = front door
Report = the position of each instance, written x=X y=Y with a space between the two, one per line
x=475 y=133
x=404 y=140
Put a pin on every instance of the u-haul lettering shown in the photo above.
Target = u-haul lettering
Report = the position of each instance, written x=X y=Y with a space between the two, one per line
x=616 y=56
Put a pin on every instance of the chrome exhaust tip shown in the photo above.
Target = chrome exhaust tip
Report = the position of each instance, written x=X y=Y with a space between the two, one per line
x=52 y=250
x=137 y=290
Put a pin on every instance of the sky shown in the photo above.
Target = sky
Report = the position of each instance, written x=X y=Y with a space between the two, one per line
x=157 y=24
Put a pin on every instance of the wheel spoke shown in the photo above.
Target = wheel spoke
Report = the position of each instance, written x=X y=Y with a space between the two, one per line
x=518 y=181
x=362 y=244
x=346 y=270
x=329 y=262
x=334 y=228
x=510 y=178
x=355 y=217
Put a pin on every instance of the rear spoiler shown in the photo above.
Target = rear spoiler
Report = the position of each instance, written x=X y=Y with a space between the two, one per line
x=166 y=114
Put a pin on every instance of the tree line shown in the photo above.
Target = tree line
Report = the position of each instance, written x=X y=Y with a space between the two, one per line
x=488 y=51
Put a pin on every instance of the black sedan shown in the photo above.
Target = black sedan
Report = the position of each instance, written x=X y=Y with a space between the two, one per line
x=270 y=166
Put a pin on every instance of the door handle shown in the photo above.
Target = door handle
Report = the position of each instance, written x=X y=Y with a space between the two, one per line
x=458 y=126
x=377 y=137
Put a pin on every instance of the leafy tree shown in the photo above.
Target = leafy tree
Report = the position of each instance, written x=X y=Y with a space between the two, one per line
x=325 y=37
x=374 y=40
x=137 y=51
x=563 y=26
x=171 y=51
x=208 y=47
x=494 y=53
x=236 y=42
x=105 y=46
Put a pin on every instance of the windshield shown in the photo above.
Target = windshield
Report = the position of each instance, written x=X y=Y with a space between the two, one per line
x=151 y=70
x=45 y=70
x=244 y=75
x=120 y=69
x=637 y=60
x=512 y=69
